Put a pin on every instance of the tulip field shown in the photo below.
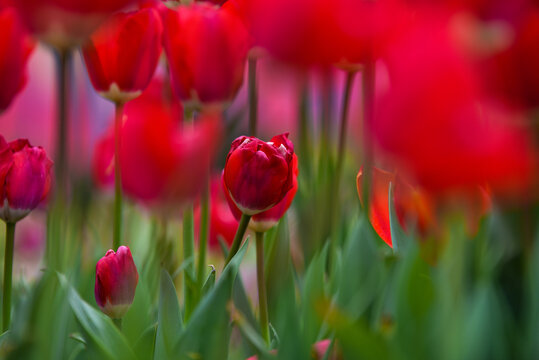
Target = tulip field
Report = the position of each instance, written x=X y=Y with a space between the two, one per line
x=285 y=179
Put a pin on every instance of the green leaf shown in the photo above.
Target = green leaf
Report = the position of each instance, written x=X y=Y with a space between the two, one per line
x=313 y=294
x=169 y=319
x=398 y=236
x=110 y=343
x=207 y=333
x=210 y=282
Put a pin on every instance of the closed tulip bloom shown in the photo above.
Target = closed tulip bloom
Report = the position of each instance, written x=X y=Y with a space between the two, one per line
x=121 y=56
x=206 y=48
x=25 y=178
x=15 y=49
x=66 y=23
x=265 y=220
x=116 y=279
x=259 y=174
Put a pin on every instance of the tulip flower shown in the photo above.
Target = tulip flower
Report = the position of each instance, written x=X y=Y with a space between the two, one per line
x=15 y=49
x=259 y=174
x=116 y=279
x=66 y=23
x=206 y=50
x=121 y=56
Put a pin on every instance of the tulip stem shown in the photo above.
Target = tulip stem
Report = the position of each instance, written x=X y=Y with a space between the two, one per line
x=368 y=82
x=342 y=131
x=8 y=270
x=261 y=281
x=203 y=240
x=117 y=226
x=62 y=62
x=242 y=227
x=253 y=96
x=188 y=253
x=118 y=323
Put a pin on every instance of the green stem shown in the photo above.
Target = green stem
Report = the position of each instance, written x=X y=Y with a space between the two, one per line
x=188 y=253
x=117 y=226
x=203 y=240
x=62 y=61
x=342 y=132
x=253 y=96
x=261 y=280
x=368 y=82
x=8 y=270
x=118 y=323
x=242 y=227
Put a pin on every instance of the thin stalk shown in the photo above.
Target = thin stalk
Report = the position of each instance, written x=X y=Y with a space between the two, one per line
x=242 y=227
x=117 y=226
x=188 y=253
x=368 y=82
x=8 y=270
x=118 y=323
x=62 y=63
x=252 y=95
x=203 y=240
x=342 y=131
x=261 y=281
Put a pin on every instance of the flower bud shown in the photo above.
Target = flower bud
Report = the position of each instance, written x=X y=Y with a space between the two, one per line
x=116 y=279
x=25 y=178
x=121 y=56
x=259 y=174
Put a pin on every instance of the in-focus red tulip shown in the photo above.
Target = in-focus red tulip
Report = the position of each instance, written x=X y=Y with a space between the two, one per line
x=116 y=279
x=15 y=49
x=206 y=49
x=122 y=54
x=259 y=174
x=156 y=152
x=222 y=222
x=265 y=220
x=65 y=23
x=437 y=125
x=25 y=178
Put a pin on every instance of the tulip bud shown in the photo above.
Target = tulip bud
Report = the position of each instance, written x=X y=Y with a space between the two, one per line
x=259 y=174
x=25 y=178
x=115 y=282
x=121 y=56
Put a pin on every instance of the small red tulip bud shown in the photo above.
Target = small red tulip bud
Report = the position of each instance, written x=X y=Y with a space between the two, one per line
x=25 y=178
x=115 y=282
x=259 y=174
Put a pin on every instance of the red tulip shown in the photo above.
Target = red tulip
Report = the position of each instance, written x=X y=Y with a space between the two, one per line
x=25 y=178
x=437 y=125
x=15 y=49
x=265 y=220
x=206 y=49
x=66 y=23
x=259 y=174
x=223 y=223
x=121 y=56
x=116 y=279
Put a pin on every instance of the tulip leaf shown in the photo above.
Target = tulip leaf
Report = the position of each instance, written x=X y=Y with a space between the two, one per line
x=169 y=319
x=397 y=234
x=109 y=341
x=207 y=333
x=210 y=282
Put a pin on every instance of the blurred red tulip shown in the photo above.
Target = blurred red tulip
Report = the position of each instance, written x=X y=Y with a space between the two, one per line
x=15 y=49
x=206 y=49
x=116 y=279
x=66 y=23
x=436 y=124
x=223 y=223
x=156 y=153
x=25 y=178
x=121 y=56
x=259 y=174
x=265 y=220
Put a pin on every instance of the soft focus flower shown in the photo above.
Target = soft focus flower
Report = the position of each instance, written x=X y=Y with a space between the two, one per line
x=222 y=222
x=65 y=23
x=15 y=49
x=206 y=49
x=25 y=178
x=320 y=349
x=259 y=174
x=121 y=56
x=437 y=125
x=116 y=279
x=265 y=220
x=157 y=153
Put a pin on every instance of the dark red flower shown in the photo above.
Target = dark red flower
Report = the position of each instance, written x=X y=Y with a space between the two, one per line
x=116 y=279
x=121 y=56
x=206 y=49
x=25 y=178
x=259 y=174
x=15 y=49
x=265 y=220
